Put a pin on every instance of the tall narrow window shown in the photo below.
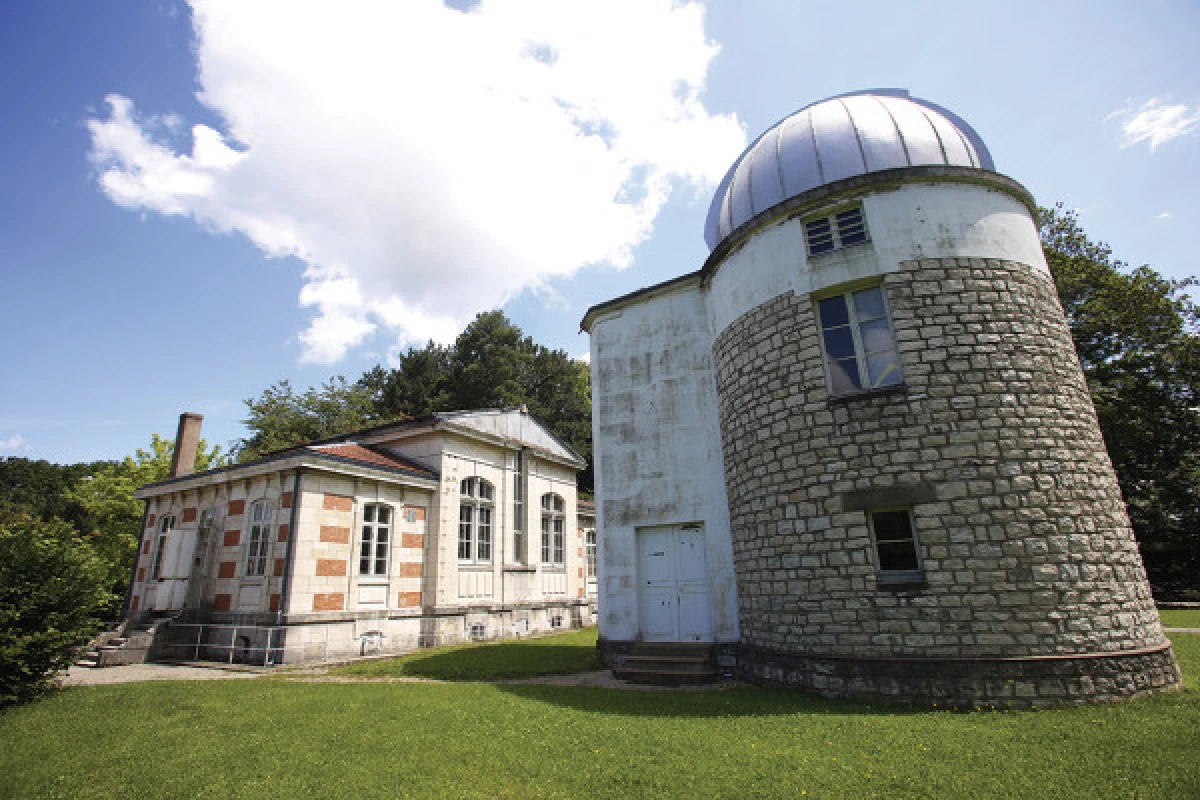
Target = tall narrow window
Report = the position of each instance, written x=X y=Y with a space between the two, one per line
x=554 y=528
x=475 y=520
x=165 y=526
x=860 y=350
x=519 y=541
x=590 y=540
x=261 y=514
x=376 y=540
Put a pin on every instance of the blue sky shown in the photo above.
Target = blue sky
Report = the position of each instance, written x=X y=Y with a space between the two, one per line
x=197 y=202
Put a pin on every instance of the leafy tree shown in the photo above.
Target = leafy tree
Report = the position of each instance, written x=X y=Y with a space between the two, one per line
x=39 y=488
x=419 y=383
x=492 y=364
x=1136 y=335
x=280 y=418
x=51 y=596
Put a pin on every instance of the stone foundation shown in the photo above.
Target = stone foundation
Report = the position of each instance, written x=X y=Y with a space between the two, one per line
x=1034 y=682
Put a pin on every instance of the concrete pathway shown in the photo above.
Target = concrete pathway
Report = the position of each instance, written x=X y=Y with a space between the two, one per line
x=129 y=673
x=1181 y=630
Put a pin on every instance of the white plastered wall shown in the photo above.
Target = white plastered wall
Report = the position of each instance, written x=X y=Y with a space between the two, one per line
x=657 y=448
x=909 y=222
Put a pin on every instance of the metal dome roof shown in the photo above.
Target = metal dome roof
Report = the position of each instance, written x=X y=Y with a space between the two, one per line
x=843 y=136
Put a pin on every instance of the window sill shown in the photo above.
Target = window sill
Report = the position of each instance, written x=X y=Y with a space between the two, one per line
x=841 y=248
x=553 y=568
x=908 y=579
x=475 y=566
x=883 y=391
x=519 y=568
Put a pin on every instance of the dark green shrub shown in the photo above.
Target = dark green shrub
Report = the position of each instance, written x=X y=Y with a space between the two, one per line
x=51 y=591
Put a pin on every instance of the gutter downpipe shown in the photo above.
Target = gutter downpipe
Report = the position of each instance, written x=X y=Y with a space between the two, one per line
x=137 y=556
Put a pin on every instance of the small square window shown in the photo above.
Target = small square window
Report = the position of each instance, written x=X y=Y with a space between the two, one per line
x=897 y=555
x=833 y=232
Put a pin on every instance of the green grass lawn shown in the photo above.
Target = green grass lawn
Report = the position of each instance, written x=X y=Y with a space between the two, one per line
x=1180 y=617
x=550 y=655
x=277 y=737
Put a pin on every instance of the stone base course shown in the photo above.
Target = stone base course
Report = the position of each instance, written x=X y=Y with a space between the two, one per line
x=1039 y=682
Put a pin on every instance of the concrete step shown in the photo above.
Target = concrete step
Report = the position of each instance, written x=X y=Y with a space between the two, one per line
x=663 y=676
x=84 y=662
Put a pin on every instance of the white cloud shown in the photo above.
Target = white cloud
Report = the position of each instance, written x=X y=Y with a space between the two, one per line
x=1155 y=122
x=1163 y=216
x=13 y=444
x=426 y=163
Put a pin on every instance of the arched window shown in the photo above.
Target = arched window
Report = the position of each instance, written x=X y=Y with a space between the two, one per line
x=554 y=529
x=261 y=516
x=376 y=539
x=165 y=526
x=475 y=521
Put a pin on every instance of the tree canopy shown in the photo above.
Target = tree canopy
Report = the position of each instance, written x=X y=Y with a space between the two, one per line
x=1136 y=335
x=492 y=364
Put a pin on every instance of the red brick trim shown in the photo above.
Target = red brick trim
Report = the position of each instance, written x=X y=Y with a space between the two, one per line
x=408 y=599
x=141 y=574
x=146 y=547
x=413 y=570
x=236 y=507
x=278 y=567
x=329 y=601
x=136 y=602
x=189 y=514
x=223 y=602
x=283 y=532
x=274 y=606
x=335 y=534
x=285 y=500
x=412 y=540
x=231 y=539
x=227 y=569
x=331 y=567
x=420 y=511
x=151 y=521
x=338 y=502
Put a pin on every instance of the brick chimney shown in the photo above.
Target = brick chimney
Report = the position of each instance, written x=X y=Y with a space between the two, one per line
x=187 y=438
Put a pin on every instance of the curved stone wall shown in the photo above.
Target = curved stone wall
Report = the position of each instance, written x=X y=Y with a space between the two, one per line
x=993 y=443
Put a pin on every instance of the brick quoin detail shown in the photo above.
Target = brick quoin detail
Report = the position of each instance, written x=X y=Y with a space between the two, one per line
x=222 y=602
x=412 y=540
x=335 y=534
x=228 y=569
x=581 y=572
x=408 y=599
x=146 y=547
x=338 y=502
x=151 y=521
x=283 y=532
x=414 y=570
x=331 y=567
x=236 y=507
x=420 y=512
x=134 y=605
x=329 y=601
x=274 y=606
x=285 y=500
x=231 y=539
x=141 y=574
x=189 y=514
x=278 y=567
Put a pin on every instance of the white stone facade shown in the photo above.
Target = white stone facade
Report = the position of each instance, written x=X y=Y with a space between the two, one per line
x=365 y=543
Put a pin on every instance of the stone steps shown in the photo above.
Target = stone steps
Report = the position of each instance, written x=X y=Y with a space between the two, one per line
x=669 y=664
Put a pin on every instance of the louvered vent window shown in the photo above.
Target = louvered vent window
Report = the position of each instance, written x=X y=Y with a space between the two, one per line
x=835 y=231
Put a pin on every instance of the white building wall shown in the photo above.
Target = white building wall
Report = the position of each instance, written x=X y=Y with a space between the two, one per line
x=912 y=221
x=657 y=449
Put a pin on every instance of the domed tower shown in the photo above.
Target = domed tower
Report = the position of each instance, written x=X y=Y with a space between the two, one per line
x=920 y=502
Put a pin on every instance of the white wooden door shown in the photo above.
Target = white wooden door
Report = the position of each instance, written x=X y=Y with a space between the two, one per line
x=673 y=594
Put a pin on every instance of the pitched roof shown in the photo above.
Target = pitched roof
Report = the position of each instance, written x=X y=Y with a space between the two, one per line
x=354 y=454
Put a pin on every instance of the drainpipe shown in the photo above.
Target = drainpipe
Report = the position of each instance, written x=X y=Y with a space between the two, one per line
x=137 y=556
x=288 y=556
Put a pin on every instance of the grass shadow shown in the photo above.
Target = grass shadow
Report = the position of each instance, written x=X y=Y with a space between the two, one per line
x=741 y=701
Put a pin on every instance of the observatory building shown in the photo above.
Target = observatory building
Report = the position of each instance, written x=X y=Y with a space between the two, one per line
x=854 y=452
